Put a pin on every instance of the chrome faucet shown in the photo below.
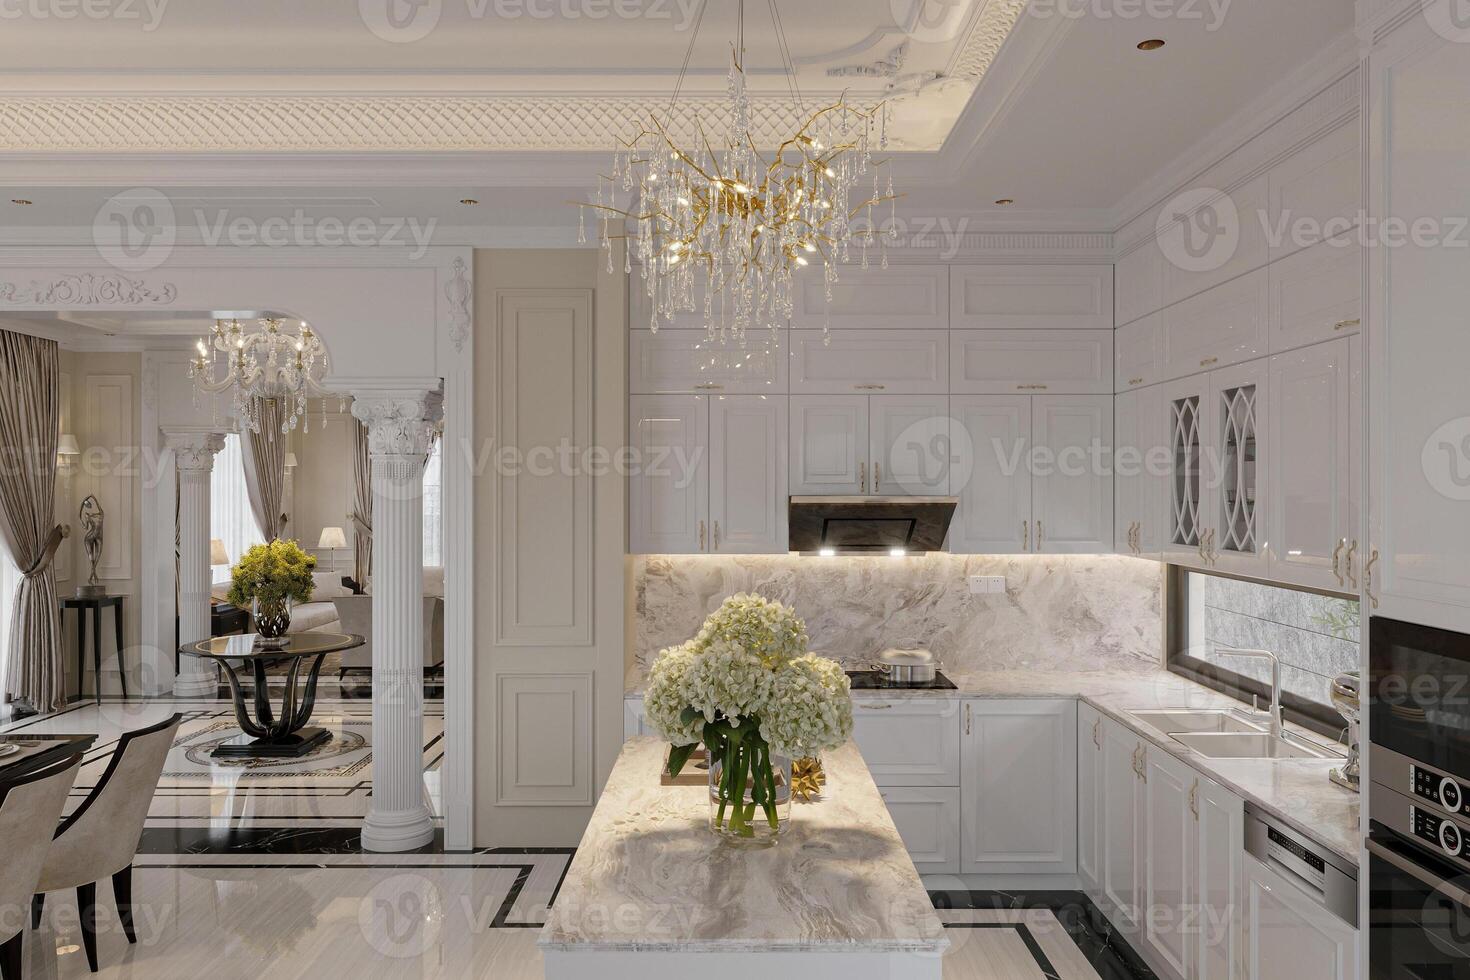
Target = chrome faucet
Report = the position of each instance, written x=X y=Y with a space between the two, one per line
x=1276 y=729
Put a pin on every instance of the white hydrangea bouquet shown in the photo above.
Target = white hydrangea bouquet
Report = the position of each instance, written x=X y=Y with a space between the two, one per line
x=746 y=688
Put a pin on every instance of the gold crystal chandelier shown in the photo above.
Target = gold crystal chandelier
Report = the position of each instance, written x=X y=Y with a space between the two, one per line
x=727 y=225
x=264 y=363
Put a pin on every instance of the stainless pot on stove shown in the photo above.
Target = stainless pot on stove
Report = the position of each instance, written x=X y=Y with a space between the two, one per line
x=911 y=666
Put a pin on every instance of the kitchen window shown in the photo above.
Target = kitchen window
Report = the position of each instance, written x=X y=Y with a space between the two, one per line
x=1314 y=635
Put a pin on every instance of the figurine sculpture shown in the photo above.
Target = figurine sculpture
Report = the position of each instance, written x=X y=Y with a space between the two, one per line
x=91 y=517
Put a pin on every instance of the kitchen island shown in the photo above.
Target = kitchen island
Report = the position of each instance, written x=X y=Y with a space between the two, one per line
x=652 y=893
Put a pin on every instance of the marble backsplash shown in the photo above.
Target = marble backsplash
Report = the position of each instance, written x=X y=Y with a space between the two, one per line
x=1059 y=612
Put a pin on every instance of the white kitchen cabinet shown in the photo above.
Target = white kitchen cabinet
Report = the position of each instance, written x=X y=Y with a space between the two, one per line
x=1019 y=788
x=1316 y=295
x=1067 y=362
x=1419 y=462
x=1313 y=500
x=1220 y=822
x=829 y=444
x=1072 y=488
x=668 y=494
x=1186 y=403
x=1318 y=187
x=1089 y=797
x=1139 y=471
x=1223 y=326
x=1238 y=440
x=1197 y=235
x=1121 y=806
x=673 y=361
x=899 y=297
x=1136 y=354
x=906 y=362
x=1288 y=935
x=910 y=444
x=992 y=477
x=928 y=821
x=909 y=741
x=1169 y=855
x=894 y=445
x=1139 y=282
x=711 y=474
x=747 y=474
x=1048 y=297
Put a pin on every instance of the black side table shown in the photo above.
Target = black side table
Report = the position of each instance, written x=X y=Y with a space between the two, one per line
x=96 y=604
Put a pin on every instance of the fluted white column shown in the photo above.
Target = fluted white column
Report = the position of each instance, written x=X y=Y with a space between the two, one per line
x=194 y=459
x=398 y=442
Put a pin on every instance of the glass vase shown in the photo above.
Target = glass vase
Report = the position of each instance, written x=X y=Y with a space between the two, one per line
x=272 y=621
x=749 y=793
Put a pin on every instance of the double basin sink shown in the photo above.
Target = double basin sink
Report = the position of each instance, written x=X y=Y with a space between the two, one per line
x=1224 y=734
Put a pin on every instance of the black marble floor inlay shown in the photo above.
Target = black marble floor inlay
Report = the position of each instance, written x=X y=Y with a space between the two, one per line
x=1108 y=952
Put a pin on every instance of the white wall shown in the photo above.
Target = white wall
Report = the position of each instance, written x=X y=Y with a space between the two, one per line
x=322 y=482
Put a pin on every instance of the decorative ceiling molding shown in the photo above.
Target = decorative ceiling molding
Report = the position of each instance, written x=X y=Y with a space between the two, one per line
x=991 y=29
x=87 y=289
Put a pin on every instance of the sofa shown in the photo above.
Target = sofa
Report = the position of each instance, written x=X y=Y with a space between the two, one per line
x=355 y=614
x=318 y=615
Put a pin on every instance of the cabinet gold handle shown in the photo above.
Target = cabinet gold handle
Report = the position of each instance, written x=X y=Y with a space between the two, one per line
x=1337 y=559
x=1025 y=535
x=1038 y=536
x=1030 y=387
x=1143 y=763
x=869 y=387
x=708 y=386
x=1344 y=324
x=1097 y=733
x=1201 y=545
x=717 y=536
x=967 y=718
x=877 y=475
x=1135 y=381
x=1211 y=555
x=1348 y=567
x=1368 y=577
x=863 y=477
x=874 y=707
x=1194 y=800
x=1206 y=362
x=701 y=535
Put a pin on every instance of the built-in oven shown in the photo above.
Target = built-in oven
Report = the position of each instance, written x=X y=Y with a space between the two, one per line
x=1419 y=802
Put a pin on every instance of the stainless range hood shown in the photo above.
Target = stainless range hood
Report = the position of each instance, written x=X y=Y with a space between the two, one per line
x=867 y=525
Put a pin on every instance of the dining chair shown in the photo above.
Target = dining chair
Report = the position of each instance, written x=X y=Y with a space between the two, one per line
x=101 y=836
x=30 y=805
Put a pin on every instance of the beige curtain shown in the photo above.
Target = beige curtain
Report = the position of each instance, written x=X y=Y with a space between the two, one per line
x=264 y=455
x=362 y=507
x=30 y=425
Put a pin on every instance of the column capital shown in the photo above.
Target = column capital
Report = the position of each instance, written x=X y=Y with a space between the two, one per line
x=194 y=449
x=398 y=421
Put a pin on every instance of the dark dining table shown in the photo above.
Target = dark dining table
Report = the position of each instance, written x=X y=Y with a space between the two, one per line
x=37 y=751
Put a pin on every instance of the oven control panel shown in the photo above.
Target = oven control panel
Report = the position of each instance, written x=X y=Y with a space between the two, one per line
x=1447 y=835
x=1439 y=790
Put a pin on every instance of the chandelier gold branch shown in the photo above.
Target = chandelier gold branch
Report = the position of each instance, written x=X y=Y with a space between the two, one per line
x=727 y=225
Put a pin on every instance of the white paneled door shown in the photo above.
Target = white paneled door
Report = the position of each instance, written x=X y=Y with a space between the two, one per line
x=669 y=491
x=910 y=444
x=747 y=474
x=1072 y=486
x=1313 y=497
x=994 y=513
x=829 y=444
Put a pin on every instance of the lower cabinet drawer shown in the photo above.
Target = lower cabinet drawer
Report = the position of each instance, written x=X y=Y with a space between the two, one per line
x=909 y=741
x=928 y=820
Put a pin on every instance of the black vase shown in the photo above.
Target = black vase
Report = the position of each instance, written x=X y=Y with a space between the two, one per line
x=272 y=620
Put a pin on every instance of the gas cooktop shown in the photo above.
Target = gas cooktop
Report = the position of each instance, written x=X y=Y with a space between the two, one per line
x=870 y=680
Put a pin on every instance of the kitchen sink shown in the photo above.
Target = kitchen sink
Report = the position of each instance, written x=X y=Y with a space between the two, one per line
x=1172 y=720
x=1249 y=745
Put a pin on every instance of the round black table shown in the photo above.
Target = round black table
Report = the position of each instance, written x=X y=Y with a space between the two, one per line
x=269 y=736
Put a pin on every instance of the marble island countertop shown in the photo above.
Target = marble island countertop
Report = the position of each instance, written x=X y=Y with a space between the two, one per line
x=1296 y=791
x=649 y=876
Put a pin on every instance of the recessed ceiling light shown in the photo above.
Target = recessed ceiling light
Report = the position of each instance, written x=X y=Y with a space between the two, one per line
x=1152 y=44
x=21 y=201
x=468 y=200
x=1005 y=202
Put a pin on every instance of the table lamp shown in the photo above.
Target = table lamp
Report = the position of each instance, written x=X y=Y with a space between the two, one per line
x=332 y=539
x=217 y=553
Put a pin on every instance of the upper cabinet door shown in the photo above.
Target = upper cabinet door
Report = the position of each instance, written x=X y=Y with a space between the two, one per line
x=896 y=362
x=1238 y=440
x=1140 y=283
x=1139 y=466
x=1315 y=190
x=1185 y=498
x=911 y=449
x=668 y=494
x=1072 y=488
x=1136 y=354
x=1316 y=295
x=688 y=361
x=1013 y=297
x=1310 y=497
x=992 y=474
x=1065 y=362
x=1224 y=326
x=1215 y=241
x=747 y=494
x=829 y=445
x=901 y=296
